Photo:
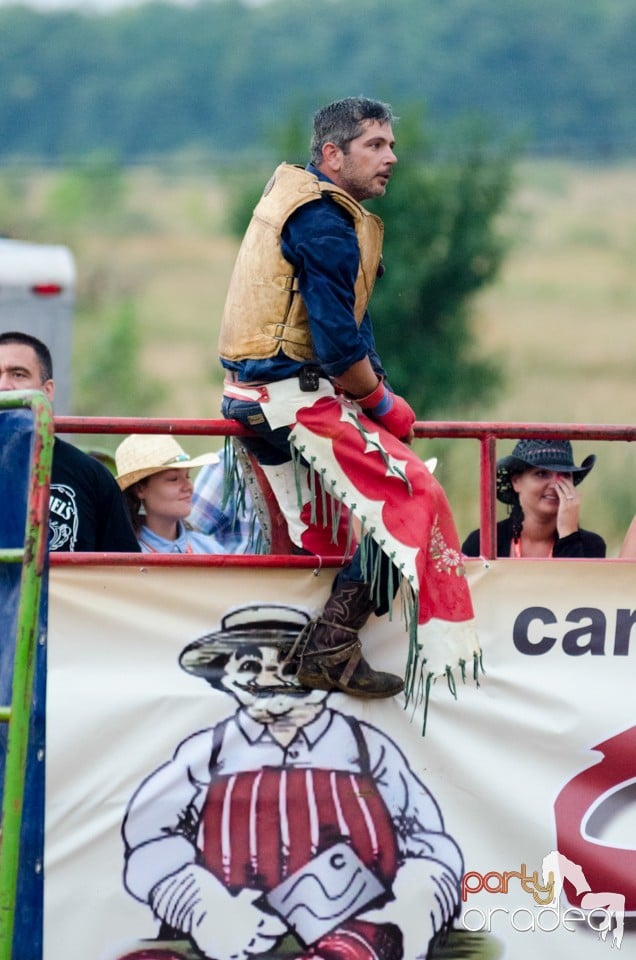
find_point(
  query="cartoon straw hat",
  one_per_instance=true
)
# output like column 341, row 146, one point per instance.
column 270, row 624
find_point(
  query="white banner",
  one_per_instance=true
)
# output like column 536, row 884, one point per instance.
column 199, row 804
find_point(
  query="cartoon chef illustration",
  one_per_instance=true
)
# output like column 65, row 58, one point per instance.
column 290, row 828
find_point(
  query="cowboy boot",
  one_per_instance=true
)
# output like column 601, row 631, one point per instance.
column 332, row 657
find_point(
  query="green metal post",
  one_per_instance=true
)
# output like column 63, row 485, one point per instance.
column 18, row 713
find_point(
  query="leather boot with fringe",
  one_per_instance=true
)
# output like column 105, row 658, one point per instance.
column 332, row 656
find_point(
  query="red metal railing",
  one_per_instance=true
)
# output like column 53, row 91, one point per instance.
column 487, row 433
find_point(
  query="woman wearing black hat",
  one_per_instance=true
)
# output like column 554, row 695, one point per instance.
column 538, row 481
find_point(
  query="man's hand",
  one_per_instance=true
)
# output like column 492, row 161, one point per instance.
column 392, row 411
column 224, row 927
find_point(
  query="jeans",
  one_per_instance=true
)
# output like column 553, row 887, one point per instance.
column 271, row 448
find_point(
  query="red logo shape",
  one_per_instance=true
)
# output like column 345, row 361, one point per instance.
column 605, row 867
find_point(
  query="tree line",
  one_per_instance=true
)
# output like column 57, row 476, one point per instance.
column 219, row 77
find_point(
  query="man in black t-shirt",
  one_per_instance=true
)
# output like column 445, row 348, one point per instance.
column 86, row 509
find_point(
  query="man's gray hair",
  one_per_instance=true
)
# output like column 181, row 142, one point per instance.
column 341, row 122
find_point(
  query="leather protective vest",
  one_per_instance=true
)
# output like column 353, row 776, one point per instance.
column 264, row 312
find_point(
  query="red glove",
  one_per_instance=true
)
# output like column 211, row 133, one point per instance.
column 391, row 411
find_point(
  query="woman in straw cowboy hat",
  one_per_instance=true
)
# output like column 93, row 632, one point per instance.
column 538, row 481
column 154, row 474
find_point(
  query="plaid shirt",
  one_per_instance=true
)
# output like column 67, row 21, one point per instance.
column 226, row 514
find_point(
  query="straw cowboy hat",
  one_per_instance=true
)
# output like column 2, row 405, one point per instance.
column 553, row 455
column 141, row 455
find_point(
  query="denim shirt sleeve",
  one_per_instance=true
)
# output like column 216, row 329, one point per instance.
column 319, row 240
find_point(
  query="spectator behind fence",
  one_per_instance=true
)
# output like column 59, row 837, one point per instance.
column 222, row 506
column 628, row 550
column 86, row 508
column 538, row 482
column 154, row 474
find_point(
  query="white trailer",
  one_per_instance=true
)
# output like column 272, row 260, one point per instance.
column 37, row 296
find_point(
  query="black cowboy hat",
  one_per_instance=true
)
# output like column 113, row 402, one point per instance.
column 553, row 455
column 268, row 624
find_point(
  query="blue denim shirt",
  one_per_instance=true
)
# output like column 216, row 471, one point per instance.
column 188, row 541
column 320, row 241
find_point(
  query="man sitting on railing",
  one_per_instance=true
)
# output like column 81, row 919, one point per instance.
column 302, row 372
